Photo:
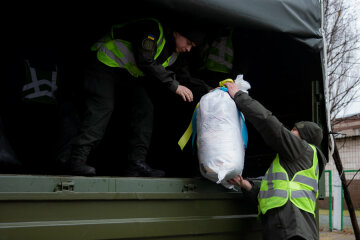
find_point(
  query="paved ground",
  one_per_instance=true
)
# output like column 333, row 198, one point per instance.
column 338, row 235
column 346, row 234
column 324, row 221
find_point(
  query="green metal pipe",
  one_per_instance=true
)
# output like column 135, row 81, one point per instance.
column 330, row 199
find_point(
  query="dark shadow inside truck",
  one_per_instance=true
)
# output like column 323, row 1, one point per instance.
column 284, row 73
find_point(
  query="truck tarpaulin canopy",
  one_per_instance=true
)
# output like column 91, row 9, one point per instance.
column 302, row 19
column 278, row 47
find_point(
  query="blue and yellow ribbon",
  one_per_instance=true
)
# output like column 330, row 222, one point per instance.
column 189, row 131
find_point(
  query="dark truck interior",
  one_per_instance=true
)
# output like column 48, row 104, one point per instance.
column 284, row 75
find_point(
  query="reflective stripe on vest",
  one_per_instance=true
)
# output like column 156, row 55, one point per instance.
column 302, row 190
column 170, row 61
column 118, row 53
column 221, row 55
column 41, row 90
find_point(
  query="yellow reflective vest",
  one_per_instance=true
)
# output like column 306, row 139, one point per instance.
column 119, row 53
column 301, row 190
column 221, row 54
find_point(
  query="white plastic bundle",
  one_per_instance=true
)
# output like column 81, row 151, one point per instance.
column 221, row 148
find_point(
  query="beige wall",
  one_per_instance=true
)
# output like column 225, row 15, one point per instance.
column 348, row 143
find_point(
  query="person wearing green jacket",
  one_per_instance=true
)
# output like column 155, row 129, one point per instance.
column 144, row 57
column 288, row 192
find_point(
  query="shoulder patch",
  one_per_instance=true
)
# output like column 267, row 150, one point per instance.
column 148, row 44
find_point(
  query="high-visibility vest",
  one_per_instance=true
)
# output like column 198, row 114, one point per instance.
column 221, row 55
column 302, row 190
column 40, row 85
column 119, row 53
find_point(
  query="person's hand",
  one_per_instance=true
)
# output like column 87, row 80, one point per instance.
column 185, row 93
column 241, row 182
column 232, row 87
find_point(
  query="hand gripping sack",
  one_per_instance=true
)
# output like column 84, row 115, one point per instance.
column 221, row 137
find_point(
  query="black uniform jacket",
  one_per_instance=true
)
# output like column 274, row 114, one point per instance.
column 143, row 35
column 295, row 155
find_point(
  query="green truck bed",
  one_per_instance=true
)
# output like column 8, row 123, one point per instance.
column 67, row 207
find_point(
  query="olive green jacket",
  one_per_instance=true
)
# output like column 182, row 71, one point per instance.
column 295, row 155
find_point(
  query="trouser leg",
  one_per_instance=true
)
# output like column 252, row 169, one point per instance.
column 99, row 104
column 141, row 126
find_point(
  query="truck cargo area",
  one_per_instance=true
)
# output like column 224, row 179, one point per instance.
column 39, row 199
column 285, row 76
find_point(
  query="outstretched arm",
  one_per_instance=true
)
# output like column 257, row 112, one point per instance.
column 278, row 137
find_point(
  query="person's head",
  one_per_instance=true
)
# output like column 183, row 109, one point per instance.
column 188, row 37
column 182, row 43
column 308, row 131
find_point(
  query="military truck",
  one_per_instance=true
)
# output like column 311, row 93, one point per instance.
column 280, row 50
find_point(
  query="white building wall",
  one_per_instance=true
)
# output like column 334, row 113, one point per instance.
column 348, row 143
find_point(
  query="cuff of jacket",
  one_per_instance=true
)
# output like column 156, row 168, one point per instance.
column 253, row 193
column 173, row 86
column 238, row 94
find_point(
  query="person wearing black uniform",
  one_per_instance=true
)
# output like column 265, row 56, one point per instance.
column 289, row 189
column 147, row 56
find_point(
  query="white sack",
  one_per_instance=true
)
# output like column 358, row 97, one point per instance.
column 220, row 145
column 242, row 84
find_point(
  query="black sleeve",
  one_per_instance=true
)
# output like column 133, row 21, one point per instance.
column 198, row 86
column 278, row 137
column 253, row 193
column 145, row 50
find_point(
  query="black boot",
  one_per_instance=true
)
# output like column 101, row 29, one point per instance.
column 140, row 168
column 78, row 166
